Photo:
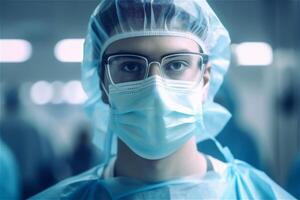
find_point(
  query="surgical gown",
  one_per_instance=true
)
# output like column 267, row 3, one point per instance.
column 234, row 180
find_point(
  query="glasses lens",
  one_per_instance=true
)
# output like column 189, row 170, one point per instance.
column 187, row 67
column 125, row 68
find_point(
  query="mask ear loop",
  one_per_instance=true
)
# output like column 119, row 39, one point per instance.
column 104, row 89
column 102, row 83
column 108, row 144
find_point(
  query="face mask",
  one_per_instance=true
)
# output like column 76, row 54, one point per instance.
column 155, row 117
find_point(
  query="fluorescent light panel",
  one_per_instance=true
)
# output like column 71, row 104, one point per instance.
column 69, row 50
column 14, row 50
column 253, row 53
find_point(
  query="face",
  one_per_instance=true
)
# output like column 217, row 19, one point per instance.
column 155, row 49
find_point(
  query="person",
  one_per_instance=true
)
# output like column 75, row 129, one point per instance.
column 84, row 155
column 9, row 174
column 151, row 69
column 32, row 151
column 293, row 180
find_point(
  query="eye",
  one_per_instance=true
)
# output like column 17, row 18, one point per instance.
column 176, row 66
column 131, row 67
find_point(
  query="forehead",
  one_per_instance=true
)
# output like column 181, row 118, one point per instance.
column 153, row 46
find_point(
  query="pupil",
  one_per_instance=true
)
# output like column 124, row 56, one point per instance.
column 177, row 65
column 132, row 67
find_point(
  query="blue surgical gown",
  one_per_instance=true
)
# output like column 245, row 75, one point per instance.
column 234, row 180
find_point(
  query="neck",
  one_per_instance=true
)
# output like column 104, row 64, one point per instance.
column 184, row 162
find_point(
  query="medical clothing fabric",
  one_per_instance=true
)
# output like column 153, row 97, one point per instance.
column 235, row 180
column 9, row 174
column 119, row 19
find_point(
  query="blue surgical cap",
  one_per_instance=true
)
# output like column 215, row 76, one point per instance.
column 114, row 20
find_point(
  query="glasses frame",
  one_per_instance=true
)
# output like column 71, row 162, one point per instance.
column 205, row 59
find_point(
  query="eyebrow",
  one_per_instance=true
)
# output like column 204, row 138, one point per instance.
column 147, row 56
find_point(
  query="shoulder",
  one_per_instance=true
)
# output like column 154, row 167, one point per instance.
column 8, row 172
column 218, row 165
column 65, row 188
column 246, row 182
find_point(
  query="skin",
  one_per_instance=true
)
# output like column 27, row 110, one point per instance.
column 186, row 160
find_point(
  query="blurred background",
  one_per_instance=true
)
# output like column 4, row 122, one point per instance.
column 45, row 135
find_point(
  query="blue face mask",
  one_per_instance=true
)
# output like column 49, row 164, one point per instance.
column 155, row 117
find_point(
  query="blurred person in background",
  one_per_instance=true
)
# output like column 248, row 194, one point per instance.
column 293, row 183
column 159, row 65
column 31, row 149
column 9, row 174
column 233, row 135
column 84, row 155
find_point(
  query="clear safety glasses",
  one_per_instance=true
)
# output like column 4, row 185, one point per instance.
column 180, row 66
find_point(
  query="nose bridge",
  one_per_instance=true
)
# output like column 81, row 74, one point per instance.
column 154, row 68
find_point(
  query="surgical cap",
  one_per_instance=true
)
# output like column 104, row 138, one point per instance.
column 114, row 20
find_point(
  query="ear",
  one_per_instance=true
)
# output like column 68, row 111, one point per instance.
column 206, row 82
